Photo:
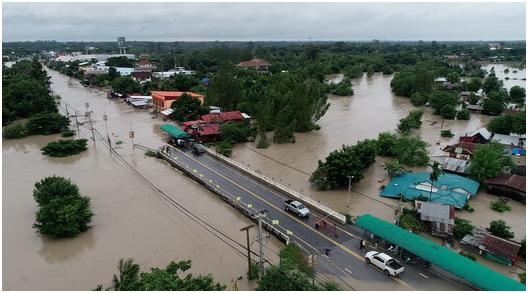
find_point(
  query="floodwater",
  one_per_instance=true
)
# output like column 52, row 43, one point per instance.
column 515, row 78
column 131, row 220
column 372, row 109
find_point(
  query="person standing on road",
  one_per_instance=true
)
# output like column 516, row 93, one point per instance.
column 362, row 244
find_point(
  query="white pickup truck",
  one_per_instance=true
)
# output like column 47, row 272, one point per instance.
column 296, row 207
column 386, row 263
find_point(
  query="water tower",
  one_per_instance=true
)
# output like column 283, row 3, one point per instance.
column 121, row 43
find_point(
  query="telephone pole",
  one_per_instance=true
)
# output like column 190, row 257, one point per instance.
column 105, row 117
column 248, row 247
column 89, row 113
column 260, row 238
column 77, row 122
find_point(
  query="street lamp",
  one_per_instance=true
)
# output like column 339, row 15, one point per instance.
column 349, row 186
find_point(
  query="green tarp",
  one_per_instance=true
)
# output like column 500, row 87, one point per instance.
column 471, row 271
column 174, row 131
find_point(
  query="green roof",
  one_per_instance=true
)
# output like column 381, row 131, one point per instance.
column 174, row 131
column 471, row 271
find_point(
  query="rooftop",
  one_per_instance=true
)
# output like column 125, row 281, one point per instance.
column 506, row 139
column 512, row 181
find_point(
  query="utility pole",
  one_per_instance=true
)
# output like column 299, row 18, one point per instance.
column 248, row 247
column 131, row 135
column 105, row 118
column 89, row 113
column 67, row 113
column 260, row 238
column 77, row 122
column 349, row 186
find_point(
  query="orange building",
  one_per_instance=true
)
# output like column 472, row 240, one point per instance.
column 164, row 99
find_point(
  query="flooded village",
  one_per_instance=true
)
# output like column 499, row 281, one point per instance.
column 270, row 166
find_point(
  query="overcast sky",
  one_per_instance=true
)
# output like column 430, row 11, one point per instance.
column 263, row 21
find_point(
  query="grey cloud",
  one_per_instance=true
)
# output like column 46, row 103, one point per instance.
column 263, row 21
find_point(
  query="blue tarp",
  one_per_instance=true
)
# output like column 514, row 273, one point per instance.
column 450, row 189
column 518, row 152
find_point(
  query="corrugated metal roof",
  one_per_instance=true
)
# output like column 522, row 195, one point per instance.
column 506, row 139
column 436, row 212
column 471, row 271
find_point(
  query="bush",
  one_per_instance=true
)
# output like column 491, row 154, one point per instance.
column 462, row 228
column 235, row 131
column 419, row 99
column 47, row 123
column 412, row 121
column 500, row 229
column 63, row 212
column 64, row 148
column 410, row 220
column 446, row 133
column 224, row 148
column 468, row 208
column 348, row 218
column 150, row 153
column 15, row 131
column 343, row 88
column 468, row 255
column 68, row 133
column 488, row 161
column 385, row 144
column 463, row 114
column 500, row 206
column 411, row 151
column 522, row 277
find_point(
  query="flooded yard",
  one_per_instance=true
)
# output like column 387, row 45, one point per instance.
column 131, row 220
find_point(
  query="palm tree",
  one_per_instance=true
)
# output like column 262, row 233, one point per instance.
column 394, row 168
column 128, row 274
column 435, row 174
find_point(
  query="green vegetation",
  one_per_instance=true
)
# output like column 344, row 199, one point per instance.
column 499, row 206
column 517, row 94
column 468, row 255
column 292, row 274
column 474, row 84
column 394, row 168
column 353, row 72
column 151, row 153
column 500, row 229
column 63, row 211
column 468, row 208
column 343, row 88
column 125, row 85
column 235, row 131
column 224, row 148
column 121, row 61
column 436, row 172
column 507, row 124
column 443, row 103
column 410, row 220
column 488, row 161
column 463, row 114
column 419, row 99
column 522, row 277
column 349, row 219
column 339, row 165
column 187, row 108
column 412, row 121
column 462, row 228
column 47, row 123
column 446, row 133
column 67, row 133
column 130, row 278
column 64, row 148
column 15, row 131
column 410, row 151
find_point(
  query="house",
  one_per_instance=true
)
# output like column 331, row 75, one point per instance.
column 449, row 189
column 494, row 46
column 138, row 101
column 440, row 217
column 141, row 76
column 257, row 64
column 164, row 99
column 165, row 114
column 508, row 185
column 491, row 247
column 440, row 80
column 461, row 150
column 453, row 165
column 451, row 57
column 475, row 108
column 205, row 132
column 188, row 124
column 223, row 117
column 145, row 65
column 481, row 135
column 510, row 141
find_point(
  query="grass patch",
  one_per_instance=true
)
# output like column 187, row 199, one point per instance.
column 151, row 153
column 446, row 133
column 500, row 206
column 119, row 142
column 468, row 208
column 64, row 148
column 467, row 255
column 224, row 148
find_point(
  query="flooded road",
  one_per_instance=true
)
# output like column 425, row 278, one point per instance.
column 131, row 220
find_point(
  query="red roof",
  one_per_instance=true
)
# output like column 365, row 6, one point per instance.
column 501, row 247
column 144, row 62
column 212, row 117
column 141, row 74
column 192, row 122
column 223, row 116
column 470, row 146
column 206, row 130
column 512, row 181
column 254, row 63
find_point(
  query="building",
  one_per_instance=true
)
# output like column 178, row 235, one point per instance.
column 475, row 108
column 76, row 56
column 508, row 185
column 453, row 165
column 223, row 117
column 440, row 217
column 163, row 99
column 141, row 76
column 449, row 189
column 205, row 132
column 257, row 64
column 460, row 150
column 145, row 65
column 491, row 247
column 176, row 71
column 481, row 135
column 509, row 141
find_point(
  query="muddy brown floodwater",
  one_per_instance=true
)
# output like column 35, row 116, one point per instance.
column 131, row 220
column 372, row 109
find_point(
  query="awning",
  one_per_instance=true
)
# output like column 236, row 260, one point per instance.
column 167, row 112
column 471, row 271
column 139, row 103
column 174, row 131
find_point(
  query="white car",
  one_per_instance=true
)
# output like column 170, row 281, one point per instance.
column 297, row 208
column 386, row 263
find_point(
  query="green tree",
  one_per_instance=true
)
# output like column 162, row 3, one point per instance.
column 474, row 85
column 353, row 72
column 235, row 131
column 128, row 275
column 462, row 228
column 64, row 148
column 24, row 97
column 500, row 229
column 411, row 151
column 385, row 144
column 439, row 99
column 394, row 168
column 121, row 61
column 285, row 126
column 47, row 123
column 125, row 85
column 463, row 114
column 493, row 106
column 492, row 83
column 53, row 187
column 488, row 161
column 436, row 172
column 112, row 73
column 517, row 94
column 419, row 99
column 225, row 90
column 453, row 77
column 448, row 112
column 187, row 108
column 412, row 121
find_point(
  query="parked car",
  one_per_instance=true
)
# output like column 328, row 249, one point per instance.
column 297, row 208
column 197, row 149
column 386, row 263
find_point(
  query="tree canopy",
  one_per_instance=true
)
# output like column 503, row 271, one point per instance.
column 488, row 161
column 187, row 108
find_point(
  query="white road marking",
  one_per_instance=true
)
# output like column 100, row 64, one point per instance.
column 424, row 276
column 325, row 256
column 346, row 269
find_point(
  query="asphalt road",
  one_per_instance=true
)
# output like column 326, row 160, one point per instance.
column 345, row 261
